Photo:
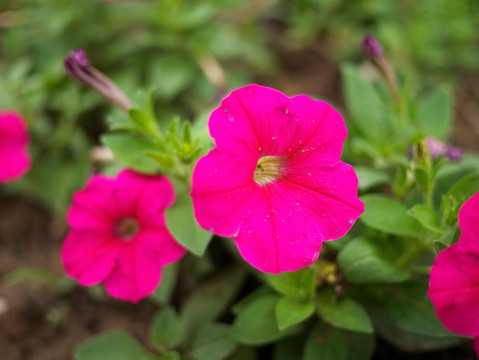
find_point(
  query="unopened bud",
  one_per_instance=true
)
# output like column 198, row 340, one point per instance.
column 372, row 48
column 79, row 68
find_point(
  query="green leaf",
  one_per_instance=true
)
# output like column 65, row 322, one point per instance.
column 115, row 345
column 182, row 224
column 165, row 330
column 298, row 284
column 143, row 121
column 169, row 274
column 363, row 102
column 211, row 299
column 172, row 74
column 363, row 261
column 434, row 113
column 289, row 312
column 130, row 149
column 256, row 324
column 345, row 313
column 427, row 218
column 289, row 348
column 325, row 343
column 411, row 310
column 464, row 188
column 213, row 342
column 369, row 178
column 388, row 215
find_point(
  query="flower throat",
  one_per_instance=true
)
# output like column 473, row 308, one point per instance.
column 268, row 169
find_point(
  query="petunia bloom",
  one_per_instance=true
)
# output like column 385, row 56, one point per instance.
column 275, row 182
column 15, row 160
column 454, row 280
column 118, row 234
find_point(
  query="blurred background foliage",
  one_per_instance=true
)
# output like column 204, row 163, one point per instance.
column 192, row 52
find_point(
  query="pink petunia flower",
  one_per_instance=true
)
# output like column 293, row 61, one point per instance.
column 274, row 182
column 454, row 280
column 14, row 157
column 118, row 234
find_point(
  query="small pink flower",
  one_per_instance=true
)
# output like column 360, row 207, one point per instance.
column 274, row 182
column 14, row 157
column 454, row 280
column 118, row 234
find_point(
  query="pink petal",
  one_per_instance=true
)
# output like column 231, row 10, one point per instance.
column 222, row 184
column 138, row 270
column 330, row 191
column 278, row 233
column 242, row 120
column 146, row 194
column 14, row 163
column 95, row 206
column 468, row 222
column 14, row 158
column 89, row 256
column 454, row 290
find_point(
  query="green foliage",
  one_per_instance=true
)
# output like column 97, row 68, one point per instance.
column 165, row 330
column 366, row 260
column 385, row 214
column 181, row 222
column 115, row 345
column 256, row 324
column 344, row 313
column 434, row 113
column 290, row 312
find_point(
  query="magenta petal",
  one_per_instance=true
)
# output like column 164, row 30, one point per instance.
column 138, row 269
column 331, row 192
column 89, row 257
column 278, row 233
column 149, row 195
column 242, row 120
column 14, row 157
column 468, row 222
column 222, row 184
column 454, row 290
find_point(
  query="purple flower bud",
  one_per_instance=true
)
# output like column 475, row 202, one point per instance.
column 372, row 48
column 437, row 148
column 79, row 68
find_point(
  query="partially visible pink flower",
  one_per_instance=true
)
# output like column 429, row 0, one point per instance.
column 118, row 234
column 14, row 157
column 454, row 280
column 275, row 181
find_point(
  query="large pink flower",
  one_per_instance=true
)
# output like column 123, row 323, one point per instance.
column 454, row 280
column 274, row 182
column 118, row 234
column 14, row 158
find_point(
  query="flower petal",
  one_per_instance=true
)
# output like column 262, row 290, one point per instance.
column 89, row 256
column 138, row 269
column 222, row 184
column 454, row 290
column 331, row 192
column 278, row 233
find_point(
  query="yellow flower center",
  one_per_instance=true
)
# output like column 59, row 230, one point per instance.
column 268, row 169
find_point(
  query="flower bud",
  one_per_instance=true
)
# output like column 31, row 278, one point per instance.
column 79, row 68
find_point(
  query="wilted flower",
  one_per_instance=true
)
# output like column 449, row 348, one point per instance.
column 274, row 182
column 79, row 68
column 14, row 157
column 454, row 281
column 118, row 234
